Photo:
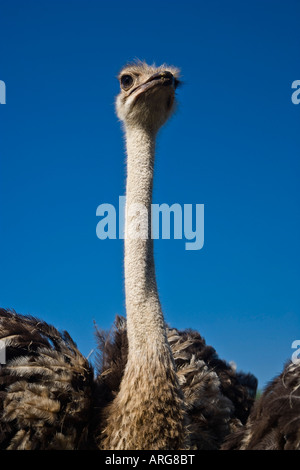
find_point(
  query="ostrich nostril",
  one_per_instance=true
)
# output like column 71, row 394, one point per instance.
column 166, row 77
column 167, row 74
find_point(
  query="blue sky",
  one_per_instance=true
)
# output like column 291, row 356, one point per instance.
column 233, row 146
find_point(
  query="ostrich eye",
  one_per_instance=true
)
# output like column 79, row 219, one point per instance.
column 126, row 81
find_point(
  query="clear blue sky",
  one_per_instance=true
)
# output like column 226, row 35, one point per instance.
column 233, row 146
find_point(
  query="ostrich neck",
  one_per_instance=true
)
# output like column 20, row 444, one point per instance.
column 148, row 412
column 145, row 322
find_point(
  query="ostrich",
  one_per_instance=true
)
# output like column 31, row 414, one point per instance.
column 156, row 387
column 274, row 421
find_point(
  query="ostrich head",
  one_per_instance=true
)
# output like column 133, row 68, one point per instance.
column 147, row 95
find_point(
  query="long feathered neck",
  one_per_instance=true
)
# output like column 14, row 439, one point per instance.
column 147, row 413
column 145, row 320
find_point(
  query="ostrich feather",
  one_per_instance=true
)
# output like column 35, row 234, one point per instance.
column 274, row 421
column 217, row 401
column 46, row 387
column 51, row 397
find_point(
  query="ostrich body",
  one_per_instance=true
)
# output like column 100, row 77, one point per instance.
column 156, row 388
column 274, row 421
column 51, row 397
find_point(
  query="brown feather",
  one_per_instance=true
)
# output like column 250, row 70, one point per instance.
column 218, row 399
column 50, row 397
column 274, row 422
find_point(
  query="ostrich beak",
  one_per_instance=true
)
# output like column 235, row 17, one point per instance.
column 164, row 78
